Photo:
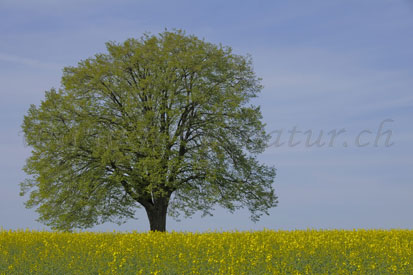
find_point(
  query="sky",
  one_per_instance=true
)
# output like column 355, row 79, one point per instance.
column 325, row 66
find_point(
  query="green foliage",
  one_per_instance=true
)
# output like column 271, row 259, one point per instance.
column 160, row 122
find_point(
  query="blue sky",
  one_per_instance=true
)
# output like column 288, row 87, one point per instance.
column 325, row 65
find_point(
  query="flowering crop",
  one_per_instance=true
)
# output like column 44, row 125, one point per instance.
column 261, row 252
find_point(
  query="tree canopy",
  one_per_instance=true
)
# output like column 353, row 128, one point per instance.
column 162, row 122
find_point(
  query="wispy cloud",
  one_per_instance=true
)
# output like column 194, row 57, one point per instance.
column 4, row 57
column 324, row 85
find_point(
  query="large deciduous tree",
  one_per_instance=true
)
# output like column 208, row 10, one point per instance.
column 162, row 122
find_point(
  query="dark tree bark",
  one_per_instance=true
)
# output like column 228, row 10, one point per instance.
column 157, row 215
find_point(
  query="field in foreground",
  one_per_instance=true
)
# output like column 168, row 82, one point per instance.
column 261, row 252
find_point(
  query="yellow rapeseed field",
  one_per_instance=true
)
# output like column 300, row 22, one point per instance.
column 262, row 252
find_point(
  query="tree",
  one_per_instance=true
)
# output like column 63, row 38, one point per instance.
column 162, row 122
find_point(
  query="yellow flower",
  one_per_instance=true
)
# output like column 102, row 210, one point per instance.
column 261, row 252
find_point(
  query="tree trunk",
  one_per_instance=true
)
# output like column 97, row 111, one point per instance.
column 157, row 217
